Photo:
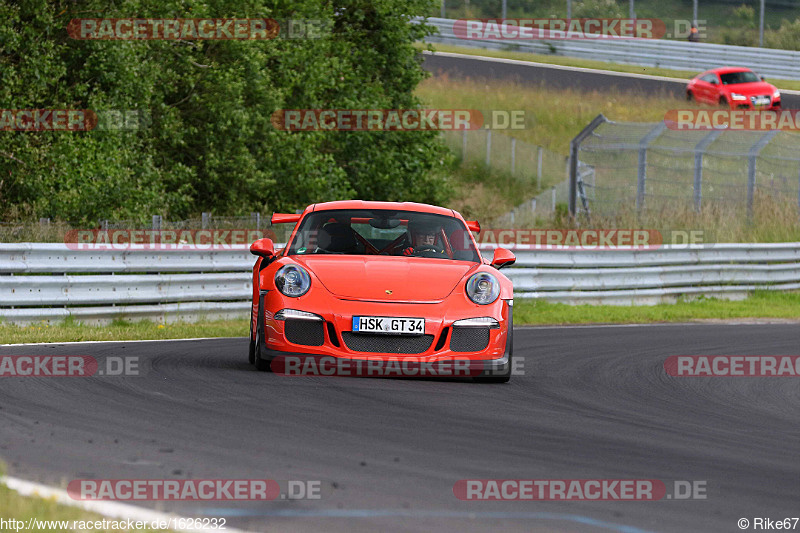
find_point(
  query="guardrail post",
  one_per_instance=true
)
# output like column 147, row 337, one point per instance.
column 752, row 155
column 574, row 147
column 699, row 150
column 488, row 148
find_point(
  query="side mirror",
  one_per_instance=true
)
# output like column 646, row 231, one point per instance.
column 502, row 258
column 763, row 78
column 263, row 247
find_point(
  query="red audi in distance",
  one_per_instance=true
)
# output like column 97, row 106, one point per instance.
column 734, row 87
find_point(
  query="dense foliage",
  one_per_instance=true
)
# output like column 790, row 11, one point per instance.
column 208, row 144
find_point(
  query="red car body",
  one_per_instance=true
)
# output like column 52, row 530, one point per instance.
column 734, row 87
column 372, row 278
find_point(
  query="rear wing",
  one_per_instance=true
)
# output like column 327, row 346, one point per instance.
column 473, row 225
column 284, row 218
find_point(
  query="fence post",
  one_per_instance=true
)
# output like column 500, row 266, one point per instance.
column 513, row 153
column 104, row 224
column 699, row 150
column 206, row 218
column 539, row 153
column 574, row 147
column 488, row 148
column 553, row 191
column 752, row 155
column 464, row 145
column 156, row 222
column 256, row 217
column 641, row 174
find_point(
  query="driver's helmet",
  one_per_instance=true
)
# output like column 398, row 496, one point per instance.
column 423, row 232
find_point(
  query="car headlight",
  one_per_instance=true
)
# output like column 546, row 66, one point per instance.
column 292, row 280
column 483, row 288
column 776, row 94
column 735, row 96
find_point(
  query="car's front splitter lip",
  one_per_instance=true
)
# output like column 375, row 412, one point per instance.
column 299, row 364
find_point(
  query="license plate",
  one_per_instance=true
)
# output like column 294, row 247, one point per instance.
column 387, row 324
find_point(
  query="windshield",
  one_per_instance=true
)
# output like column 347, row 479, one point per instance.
column 384, row 232
column 744, row 76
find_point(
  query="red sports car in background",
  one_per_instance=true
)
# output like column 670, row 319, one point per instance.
column 382, row 282
column 734, row 87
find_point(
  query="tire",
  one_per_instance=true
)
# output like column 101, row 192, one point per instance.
column 262, row 365
column 723, row 102
column 689, row 96
column 251, row 355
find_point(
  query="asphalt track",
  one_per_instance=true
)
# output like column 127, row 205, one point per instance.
column 539, row 74
column 594, row 403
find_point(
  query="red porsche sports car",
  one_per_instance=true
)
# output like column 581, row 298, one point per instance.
column 734, row 87
column 365, row 286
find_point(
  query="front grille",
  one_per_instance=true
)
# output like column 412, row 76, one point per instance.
column 359, row 342
column 305, row 332
column 469, row 339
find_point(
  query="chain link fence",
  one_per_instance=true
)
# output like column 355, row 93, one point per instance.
column 650, row 167
column 520, row 160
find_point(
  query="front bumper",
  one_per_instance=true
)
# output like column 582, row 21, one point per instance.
column 486, row 348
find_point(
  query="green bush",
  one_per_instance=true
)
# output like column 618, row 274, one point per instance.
column 209, row 144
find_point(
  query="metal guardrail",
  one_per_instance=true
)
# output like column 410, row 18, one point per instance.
column 48, row 282
column 680, row 55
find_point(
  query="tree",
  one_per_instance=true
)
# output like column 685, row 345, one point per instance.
column 206, row 141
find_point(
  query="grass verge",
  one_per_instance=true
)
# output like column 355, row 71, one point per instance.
column 71, row 331
column 22, row 508
column 761, row 304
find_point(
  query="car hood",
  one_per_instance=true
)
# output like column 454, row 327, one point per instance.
column 750, row 89
column 387, row 278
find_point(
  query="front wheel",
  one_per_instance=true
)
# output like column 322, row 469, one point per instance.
column 689, row 96
column 262, row 365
